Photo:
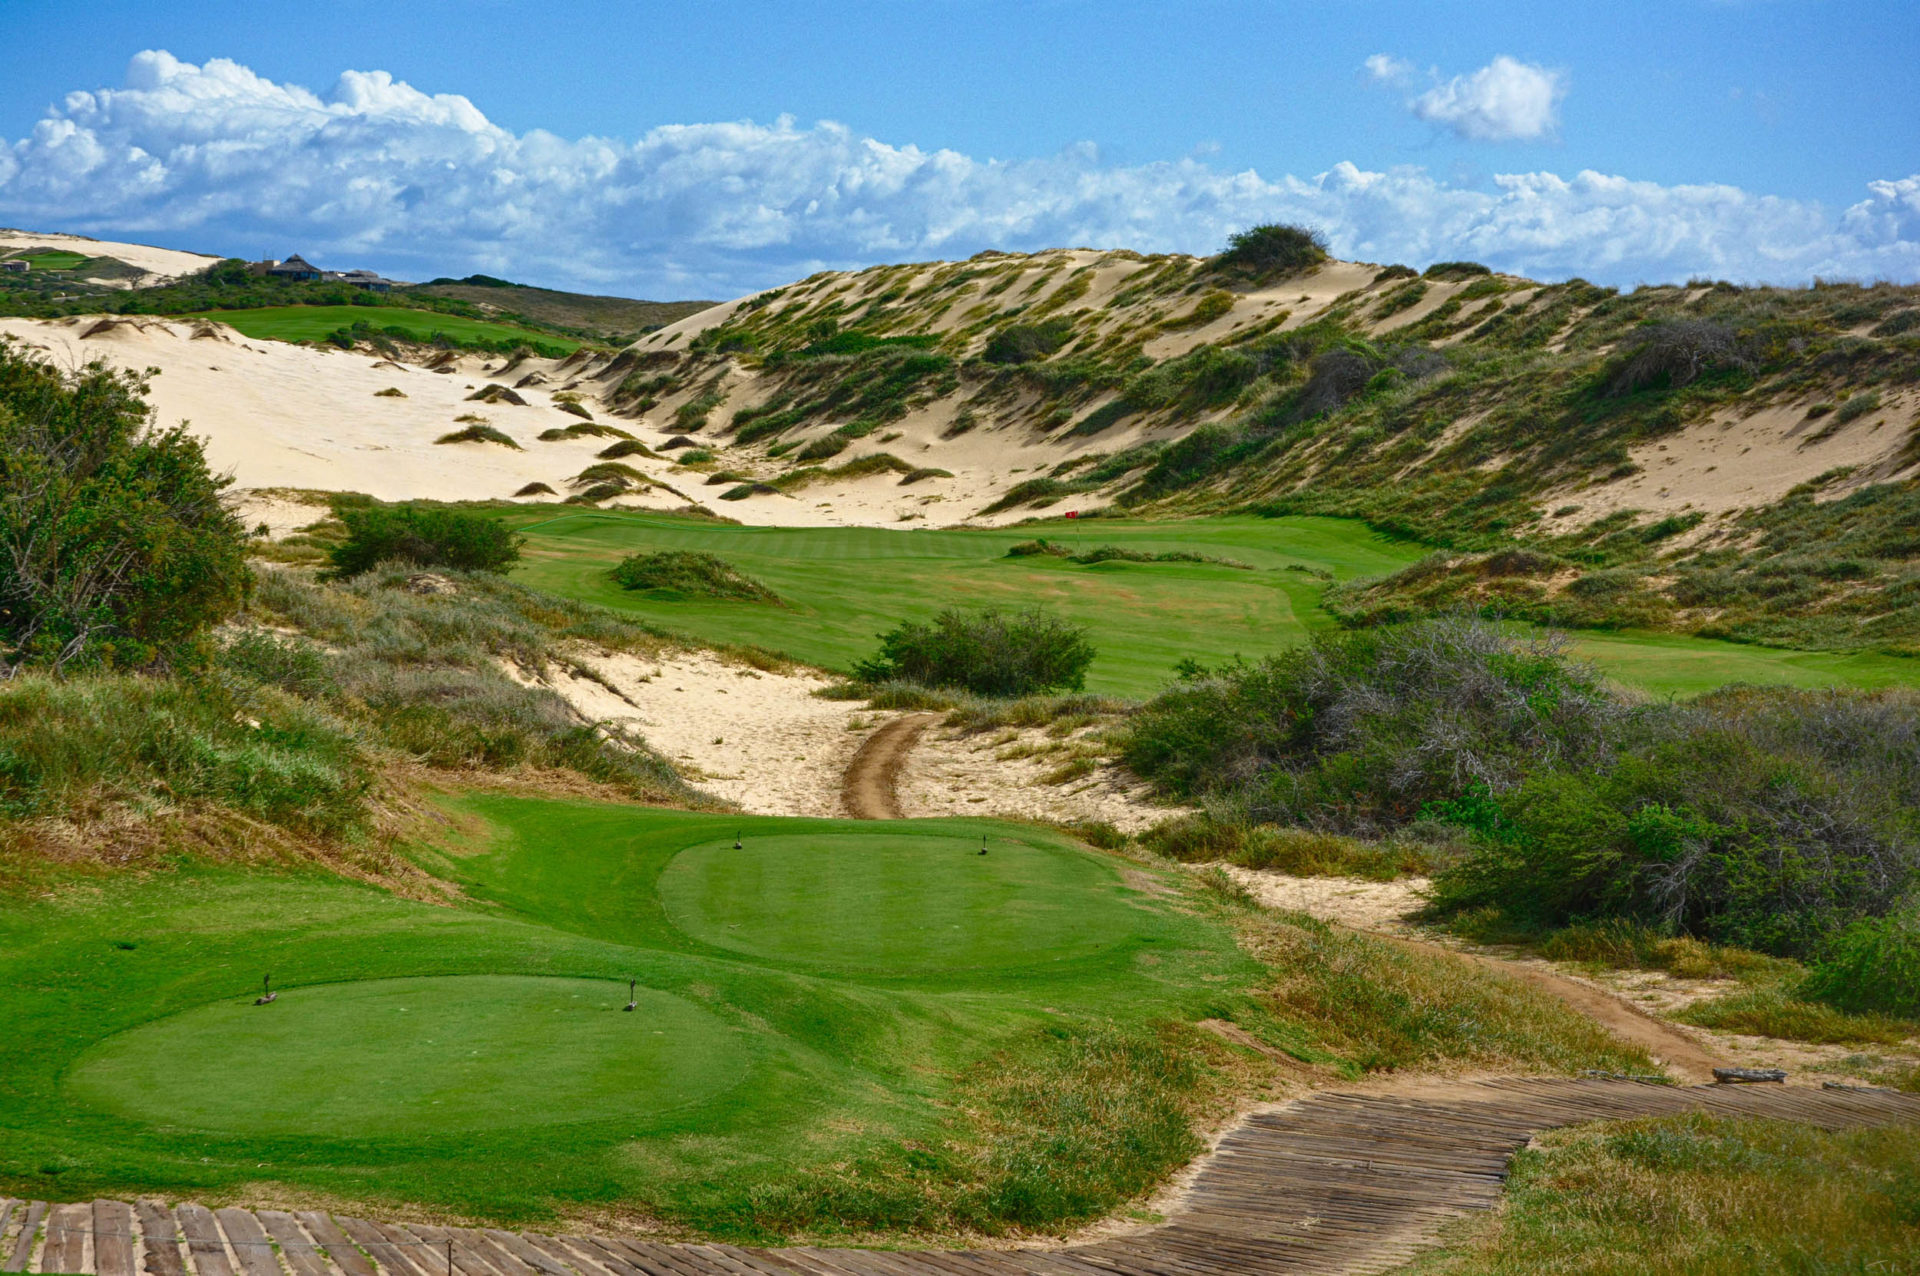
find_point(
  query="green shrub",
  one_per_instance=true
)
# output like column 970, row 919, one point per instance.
column 1361, row 731
column 115, row 547
column 988, row 653
column 1025, row 342
column 1766, row 819
column 1857, row 406
column 480, row 434
column 423, row 536
column 1454, row 271
column 1871, row 967
column 688, row 574
column 1273, row 249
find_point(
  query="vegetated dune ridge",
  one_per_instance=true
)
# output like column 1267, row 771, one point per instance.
column 863, row 398
column 155, row 265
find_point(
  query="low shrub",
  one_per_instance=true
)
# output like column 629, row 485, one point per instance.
column 688, row 574
column 1358, row 732
column 1777, row 1012
column 1025, row 342
column 423, row 536
column 480, row 434
column 1272, row 249
column 1871, row 967
column 988, row 653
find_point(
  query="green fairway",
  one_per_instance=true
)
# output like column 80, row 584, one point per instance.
column 843, row 586
column 313, row 323
column 1671, row 664
column 802, row 1001
column 51, row 258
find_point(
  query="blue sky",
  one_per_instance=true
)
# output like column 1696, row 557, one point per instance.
column 1753, row 139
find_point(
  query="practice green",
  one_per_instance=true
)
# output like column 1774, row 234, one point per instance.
column 895, row 903
column 480, row 1052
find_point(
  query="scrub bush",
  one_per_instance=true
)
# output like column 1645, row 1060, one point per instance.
column 988, row 653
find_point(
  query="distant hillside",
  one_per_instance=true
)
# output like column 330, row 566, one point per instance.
column 1705, row 458
column 601, row 318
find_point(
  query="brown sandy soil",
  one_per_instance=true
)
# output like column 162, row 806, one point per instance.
column 868, row 788
column 760, row 739
column 954, row 772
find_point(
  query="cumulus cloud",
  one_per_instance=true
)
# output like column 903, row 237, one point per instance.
column 1506, row 100
column 375, row 172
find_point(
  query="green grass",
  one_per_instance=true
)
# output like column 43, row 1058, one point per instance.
column 1698, row 1194
column 1672, row 664
column 51, row 258
column 806, row 1003
column 843, row 1027
column 313, row 323
column 845, row 586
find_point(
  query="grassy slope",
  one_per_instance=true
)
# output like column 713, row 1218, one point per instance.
column 399, row 1090
column 603, row 316
column 848, row 1026
column 843, row 586
column 1698, row 1194
column 311, row 323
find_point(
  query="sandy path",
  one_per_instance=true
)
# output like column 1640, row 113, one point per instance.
column 868, row 788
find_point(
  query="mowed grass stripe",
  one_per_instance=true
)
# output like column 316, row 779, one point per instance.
column 843, row 586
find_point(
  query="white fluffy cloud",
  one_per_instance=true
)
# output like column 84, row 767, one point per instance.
column 377, row 173
column 1506, row 100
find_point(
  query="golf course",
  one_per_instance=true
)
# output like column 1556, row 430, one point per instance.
column 801, row 993
column 841, row 586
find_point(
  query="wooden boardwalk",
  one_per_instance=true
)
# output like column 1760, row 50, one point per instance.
column 1331, row 1183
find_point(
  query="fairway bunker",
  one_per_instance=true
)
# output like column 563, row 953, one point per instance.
column 391, row 1058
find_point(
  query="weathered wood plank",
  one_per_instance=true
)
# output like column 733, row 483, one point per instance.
column 204, row 1242
column 22, row 1252
column 393, row 1259
column 296, row 1247
column 112, row 1238
column 338, row 1246
column 160, row 1240
column 66, row 1245
column 248, row 1240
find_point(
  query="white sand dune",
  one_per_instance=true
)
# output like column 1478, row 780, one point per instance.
column 160, row 264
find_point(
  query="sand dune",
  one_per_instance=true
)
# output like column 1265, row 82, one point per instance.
column 160, row 264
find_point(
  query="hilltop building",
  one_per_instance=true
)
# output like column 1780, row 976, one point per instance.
column 299, row 270
column 15, row 264
column 295, row 268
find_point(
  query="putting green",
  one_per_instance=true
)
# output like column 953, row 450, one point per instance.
column 470, row 1053
column 896, row 902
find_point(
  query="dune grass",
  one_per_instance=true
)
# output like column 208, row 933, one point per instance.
column 314, row 323
column 1691, row 1194
column 845, row 586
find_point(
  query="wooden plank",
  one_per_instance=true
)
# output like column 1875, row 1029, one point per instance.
column 23, row 1243
column 337, row 1245
column 532, row 1255
column 66, row 1247
column 204, row 1243
column 160, row 1239
column 297, row 1249
column 112, row 1238
column 393, row 1260
column 249, row 1242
